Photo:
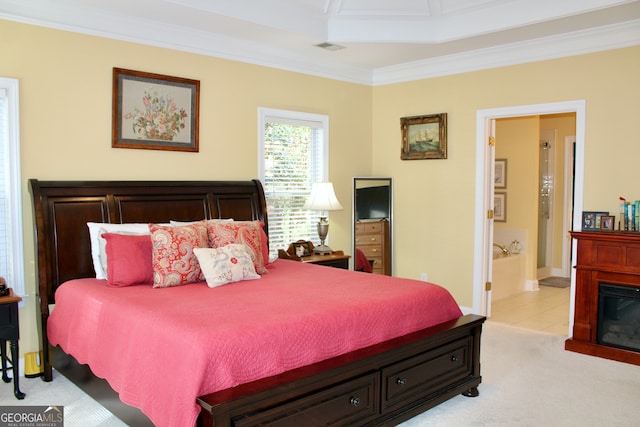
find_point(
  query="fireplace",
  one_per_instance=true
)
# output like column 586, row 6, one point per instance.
column 606, row 318
column 619, row 316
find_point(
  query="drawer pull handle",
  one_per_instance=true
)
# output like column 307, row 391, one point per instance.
column 374, row 250
column 373, row 239
column 454, row 358
column 401, row 381
column 355, row 401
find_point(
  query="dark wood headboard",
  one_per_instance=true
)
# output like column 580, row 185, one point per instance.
column 63, row 208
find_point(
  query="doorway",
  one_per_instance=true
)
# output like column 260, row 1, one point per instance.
column 483, row 239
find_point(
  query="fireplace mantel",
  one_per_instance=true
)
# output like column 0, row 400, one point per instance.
column 610, row 257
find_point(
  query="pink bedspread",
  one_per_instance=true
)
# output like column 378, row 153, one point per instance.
column 161, row 348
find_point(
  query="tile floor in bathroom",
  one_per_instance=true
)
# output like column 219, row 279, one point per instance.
column 546, row 310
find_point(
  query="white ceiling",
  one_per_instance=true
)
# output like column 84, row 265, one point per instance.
column 384, row 41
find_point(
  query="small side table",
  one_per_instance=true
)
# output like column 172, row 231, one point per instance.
column 337, row 259
column 10, row 331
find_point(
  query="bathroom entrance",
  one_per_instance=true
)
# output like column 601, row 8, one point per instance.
column 529, row 157
column 521, row 193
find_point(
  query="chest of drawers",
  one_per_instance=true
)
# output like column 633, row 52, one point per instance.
column 372, row 238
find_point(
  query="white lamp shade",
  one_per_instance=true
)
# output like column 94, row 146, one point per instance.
column 322, row 198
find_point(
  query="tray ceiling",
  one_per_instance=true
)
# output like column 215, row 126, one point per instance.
column 377, row 41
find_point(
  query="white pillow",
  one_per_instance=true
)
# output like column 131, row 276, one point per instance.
column 226, row 264
column 97, row 241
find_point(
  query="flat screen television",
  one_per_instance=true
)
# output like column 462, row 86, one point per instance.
column 372, row 202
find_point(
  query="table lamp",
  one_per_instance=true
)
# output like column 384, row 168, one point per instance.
column 322, row 198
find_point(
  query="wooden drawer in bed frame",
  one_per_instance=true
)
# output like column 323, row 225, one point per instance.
column 379, row 385
column 384, row 384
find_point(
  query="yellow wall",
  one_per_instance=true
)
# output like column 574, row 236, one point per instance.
column 65, row 95
column 434, row 199
column 65, row 101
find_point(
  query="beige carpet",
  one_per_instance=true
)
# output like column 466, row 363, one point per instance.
column 528, row 380
column 80, row 410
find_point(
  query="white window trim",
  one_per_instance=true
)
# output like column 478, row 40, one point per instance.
column 316, row 121
column 11, row 87
column 265, row 113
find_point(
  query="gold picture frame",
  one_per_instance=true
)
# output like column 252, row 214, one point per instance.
column 424, row 137
column 607, row 222
column 154, row 111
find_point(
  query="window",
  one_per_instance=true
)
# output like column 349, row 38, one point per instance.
column 11, row 252
column 294, row 153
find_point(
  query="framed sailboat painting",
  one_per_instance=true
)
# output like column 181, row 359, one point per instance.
column 424, row 137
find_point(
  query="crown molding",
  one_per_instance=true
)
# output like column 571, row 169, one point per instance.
column 151, row 33
column 570, row 44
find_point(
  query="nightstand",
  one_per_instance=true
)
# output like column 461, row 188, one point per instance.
column 10, row 331
column 337, row 259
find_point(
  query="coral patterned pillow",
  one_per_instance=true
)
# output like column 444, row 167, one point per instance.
column 174, row 262
column 227, row 264
column 249, row 233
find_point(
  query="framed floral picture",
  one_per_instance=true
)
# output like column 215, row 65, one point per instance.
column 154, row 111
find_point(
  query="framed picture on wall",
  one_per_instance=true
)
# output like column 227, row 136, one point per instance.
column 424, row 137
column 154, row 111
column 500, row 207
column 500, row 175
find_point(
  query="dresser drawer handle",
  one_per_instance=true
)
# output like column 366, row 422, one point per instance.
column 454, row 358
column 401, row 381
column 355, row 401
column 373, row 239
column 374, row 250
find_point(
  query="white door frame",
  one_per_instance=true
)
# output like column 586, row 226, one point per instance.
column 568, row 203
column 481, row 273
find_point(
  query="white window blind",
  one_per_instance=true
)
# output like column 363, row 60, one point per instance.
column 11, row 248
column 293, row 155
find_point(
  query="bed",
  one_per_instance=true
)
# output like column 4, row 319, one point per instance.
column 392, row 362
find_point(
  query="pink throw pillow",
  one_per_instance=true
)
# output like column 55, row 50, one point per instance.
column 249, row 233
column 173, row 259
column 129, row 259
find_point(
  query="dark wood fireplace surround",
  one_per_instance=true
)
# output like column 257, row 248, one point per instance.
column 602, row 257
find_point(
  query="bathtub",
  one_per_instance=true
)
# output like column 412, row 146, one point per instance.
column 509, row 275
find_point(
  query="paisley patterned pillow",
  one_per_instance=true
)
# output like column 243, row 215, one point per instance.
column 228, row 264
column 249, row 233
column 174, row 262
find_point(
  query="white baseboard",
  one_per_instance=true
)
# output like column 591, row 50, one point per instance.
column 531, row 285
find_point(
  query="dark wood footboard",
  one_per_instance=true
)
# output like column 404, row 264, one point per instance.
column 384, row 384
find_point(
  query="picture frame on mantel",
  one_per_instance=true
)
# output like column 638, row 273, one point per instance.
column 424, row 137
column 154, row 111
